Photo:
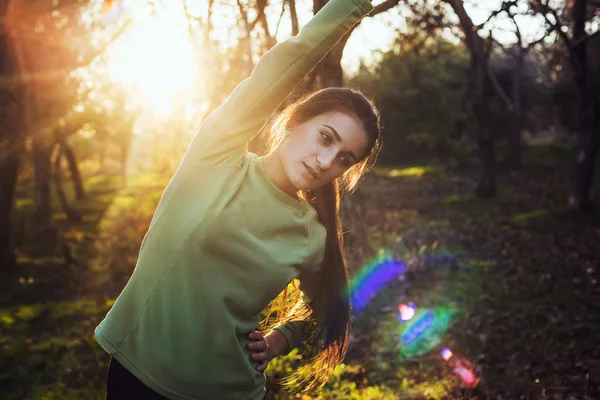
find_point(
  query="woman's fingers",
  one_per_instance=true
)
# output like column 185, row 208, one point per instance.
column 263, row 360
column 255, row 335
column 257, row 342
column 262, row 366
column 260, row 356
column 259, row 345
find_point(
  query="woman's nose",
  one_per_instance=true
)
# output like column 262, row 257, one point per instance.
column 325, row 159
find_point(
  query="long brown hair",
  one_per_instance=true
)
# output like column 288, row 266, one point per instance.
column 330, row 308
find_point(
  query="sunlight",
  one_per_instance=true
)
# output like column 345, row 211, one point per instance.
column 154, row 60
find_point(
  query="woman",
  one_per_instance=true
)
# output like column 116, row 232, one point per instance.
column 233, row 229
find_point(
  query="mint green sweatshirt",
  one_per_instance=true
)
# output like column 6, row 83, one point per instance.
column 224, row 241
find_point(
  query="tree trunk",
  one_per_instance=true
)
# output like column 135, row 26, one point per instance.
column 74, row 170
column 486, row 185
column 11, row 144
column 125, row 145
column 71, row 214
column 589, row 137
column 331, row 72
column 44, row 231
column 294, row 17
column 330, row 69
column 516, row 133
column 10, row 154
column 515, row 161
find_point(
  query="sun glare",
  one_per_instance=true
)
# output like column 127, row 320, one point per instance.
column 154, row 60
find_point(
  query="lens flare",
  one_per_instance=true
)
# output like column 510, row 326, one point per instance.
column 424, row 331
column 446, row 353
column 406, row 311
column 418, row 328
column 373, row 278
column 461, row 367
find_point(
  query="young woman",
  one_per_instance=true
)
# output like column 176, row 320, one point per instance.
column 233, row 229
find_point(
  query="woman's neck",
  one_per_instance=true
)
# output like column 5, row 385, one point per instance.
column 274, row 170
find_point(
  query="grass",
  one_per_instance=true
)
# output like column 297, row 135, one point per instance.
column 414, row 171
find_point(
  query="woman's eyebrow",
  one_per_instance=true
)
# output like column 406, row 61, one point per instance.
column 339, row 139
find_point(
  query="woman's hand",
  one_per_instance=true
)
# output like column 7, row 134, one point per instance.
column 262, row 348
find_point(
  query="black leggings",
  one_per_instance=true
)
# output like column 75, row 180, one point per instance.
column 122, row 384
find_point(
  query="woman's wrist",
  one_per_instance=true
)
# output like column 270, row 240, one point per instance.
column 277, row 343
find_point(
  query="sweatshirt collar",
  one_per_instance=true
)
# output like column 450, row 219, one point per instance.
column 278, row 194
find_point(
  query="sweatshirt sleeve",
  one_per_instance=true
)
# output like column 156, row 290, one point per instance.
column 222, row 138
column 297, row 332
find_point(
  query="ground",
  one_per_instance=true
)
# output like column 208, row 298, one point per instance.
column 520, row 271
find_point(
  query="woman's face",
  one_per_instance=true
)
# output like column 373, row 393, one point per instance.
column 322, row 149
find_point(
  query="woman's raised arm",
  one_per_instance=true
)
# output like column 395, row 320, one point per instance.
column 222, row 138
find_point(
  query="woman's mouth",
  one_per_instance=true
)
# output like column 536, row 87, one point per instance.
column 311, row 172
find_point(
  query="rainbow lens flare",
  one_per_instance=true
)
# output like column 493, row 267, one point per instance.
column 372, row 278
column 424, row 331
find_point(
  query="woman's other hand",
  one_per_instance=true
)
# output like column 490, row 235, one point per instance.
column 262, row 350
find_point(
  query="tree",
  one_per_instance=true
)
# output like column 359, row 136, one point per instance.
column 513, row 98
column 419, row 67
column 570, row 26
column 36, row 57
column 431, row 15
column 486, row 185
column 329, row 71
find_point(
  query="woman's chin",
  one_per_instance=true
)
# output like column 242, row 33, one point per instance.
column 302, row 181
column 300, row 184
column 307, row 185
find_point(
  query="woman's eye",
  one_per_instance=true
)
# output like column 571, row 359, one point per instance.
column 326, row 138
column 345, row 162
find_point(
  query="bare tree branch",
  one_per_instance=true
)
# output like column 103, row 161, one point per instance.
column 294, row 17
column 557, row 24
column 504, row 7
column 280, row 18
column 386, row 5
column 585, row 39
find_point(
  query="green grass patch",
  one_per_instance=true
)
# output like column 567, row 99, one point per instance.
column 391, row 172
column 528, row 217
column 462, row 199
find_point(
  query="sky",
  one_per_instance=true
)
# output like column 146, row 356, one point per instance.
column 379, row 32
column 155, row 55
